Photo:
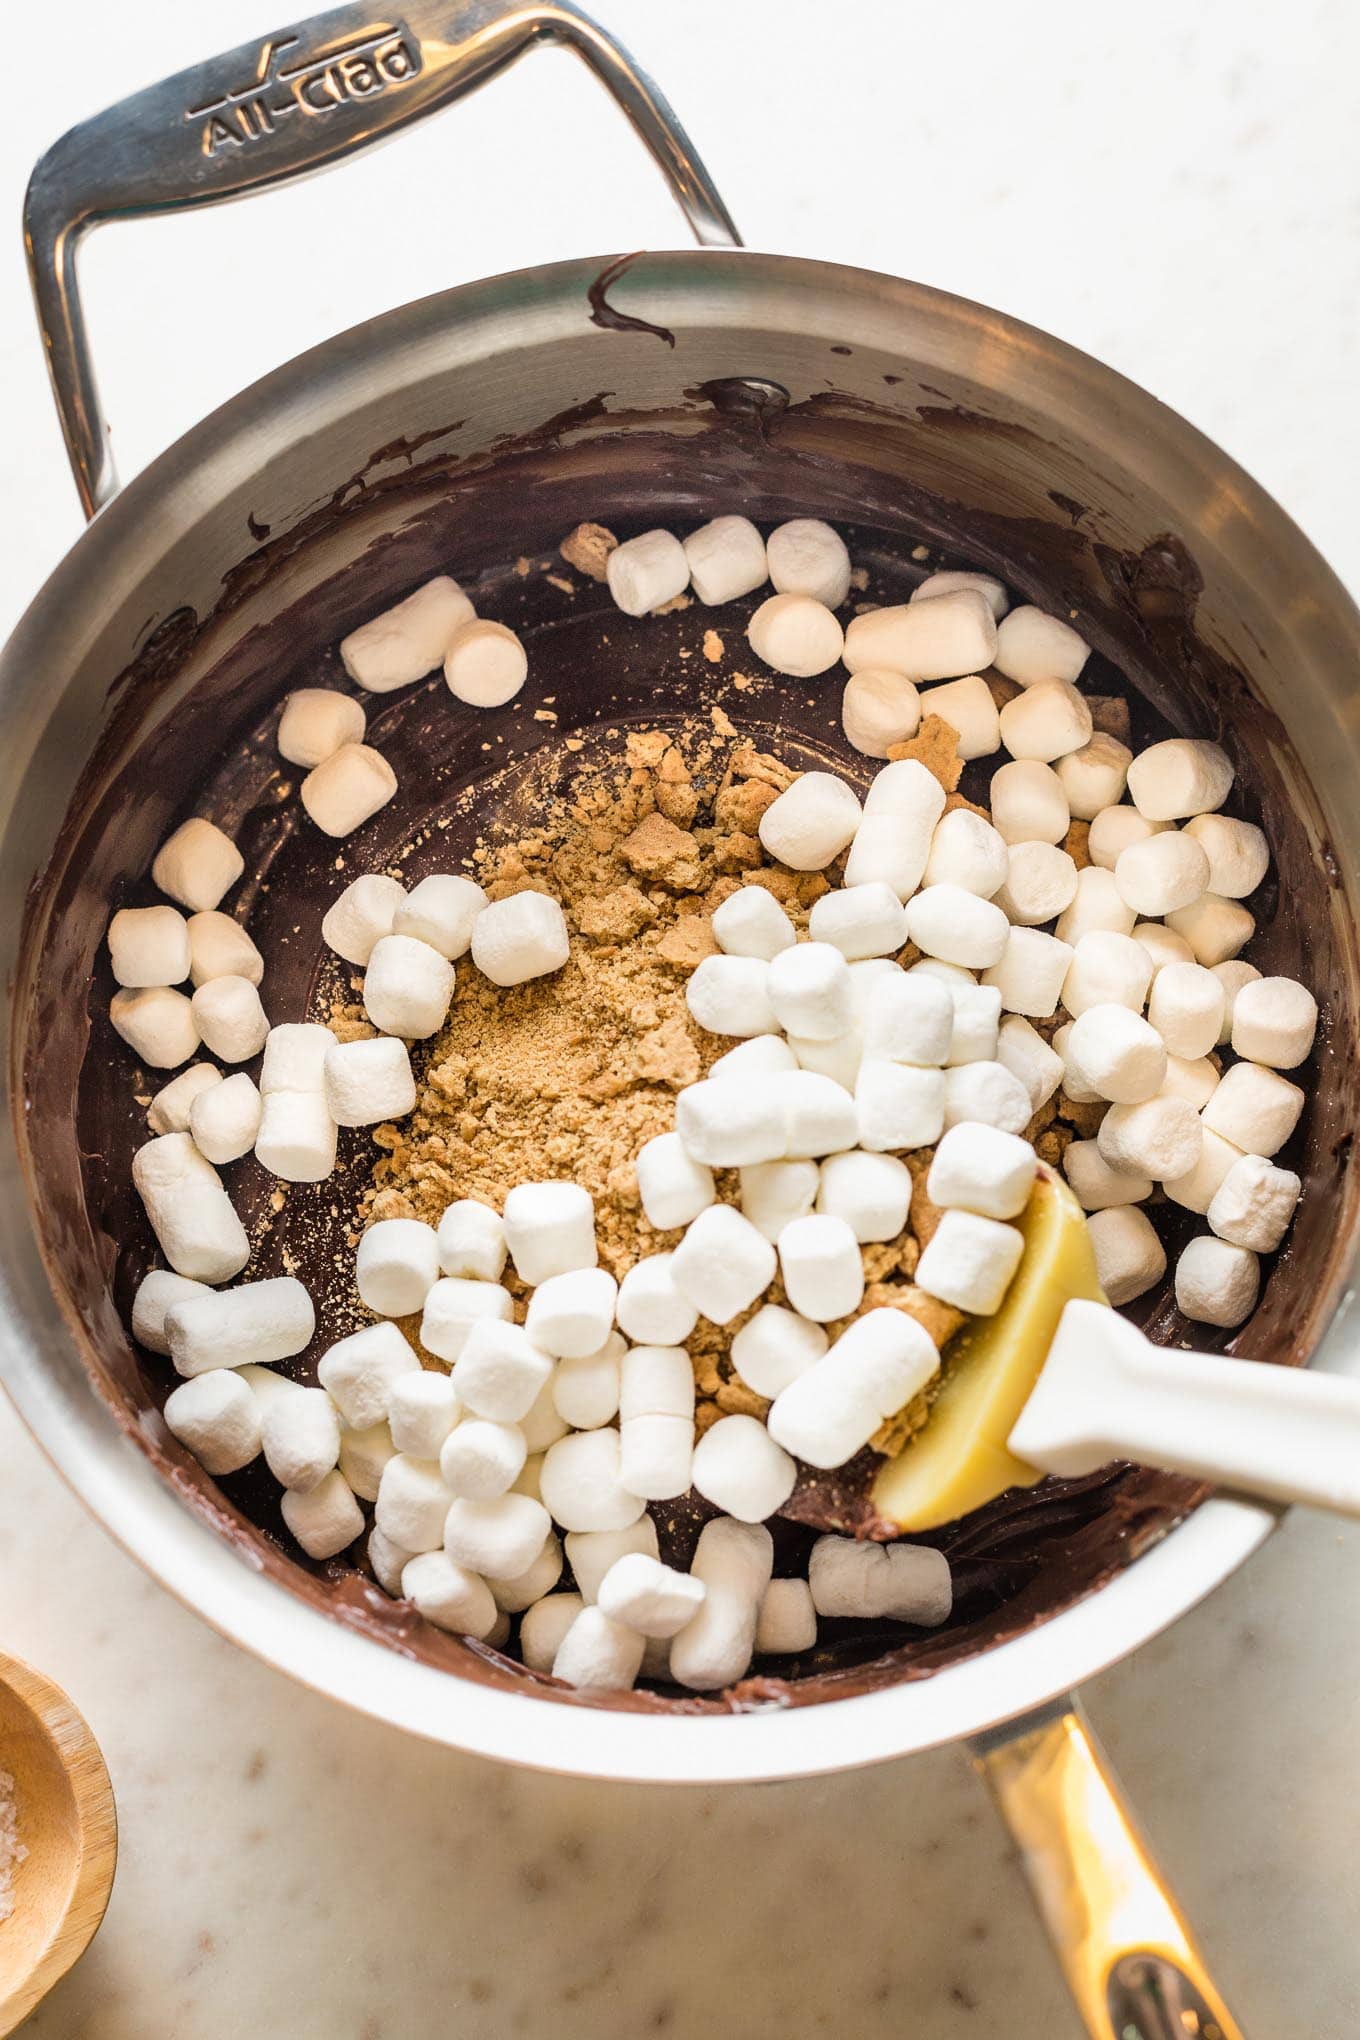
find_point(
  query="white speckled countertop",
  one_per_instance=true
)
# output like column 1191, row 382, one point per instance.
column 1169, row 191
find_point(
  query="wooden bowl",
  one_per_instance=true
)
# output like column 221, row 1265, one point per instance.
column 66, row 1821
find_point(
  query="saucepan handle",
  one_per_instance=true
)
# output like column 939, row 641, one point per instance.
column 279, row 108
column 1125, row 1949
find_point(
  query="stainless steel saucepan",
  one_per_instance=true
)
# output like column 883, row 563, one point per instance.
column 677, row 382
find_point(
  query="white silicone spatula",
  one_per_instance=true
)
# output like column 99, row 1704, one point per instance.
column 1106, row 1392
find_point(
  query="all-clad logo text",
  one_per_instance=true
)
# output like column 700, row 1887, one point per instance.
column 378, row 59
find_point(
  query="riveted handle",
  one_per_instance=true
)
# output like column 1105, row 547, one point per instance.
column 292, row 103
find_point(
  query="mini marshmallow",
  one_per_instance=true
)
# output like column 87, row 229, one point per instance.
column 739, row 1467
column 1022, row 1050
column 220, row 947
column 651, row 1309
column 1217, row 1283
column 169, row 1110
column 656, row 1447
column 224, row 1119
column 1185, row 1006
column 1096, row 1185
column 967, row 706
column 1041, row 880
column 646, row 571
column 726, row 558
column 1031, row 973
column 1032, row 647
column 808, row 988
column 543, row 1628
column 733, row 1562
column 1254, row 1107
column 898, row 1106
column 448, row 1595
column 1180, row 777
column 388, row 1561
column 1112, row 832
column 938, row 639
column 774, row 1193
column 751, row 922
column 520, row 938
column 316, row 721
column 408, row 987
column 297, row 1137
column 889, row 850
column 870, row 1193
column 1046, row 722
column 585, row 1391
column 774, row 1347
column 300, row 1437
column 811, row 822
column 1107, row 970
column 1197, row 1080
column 471, row 1241
column 951, row 579
column 1029, row 803
column 838, row 1059
column 988, row 1093
column 550, row 1230
column 480, row 1460
column 979, row 1168
column 722, row 1264
column 149, row 946
column 1232, row 975
column 326, row 1520
column 762, row 1055
column 796, row 635
column 1074, row 1084
column 967, row 851
column 591, row 1553
column 409, row 640
column 422, row 1409
column 295, row 1058
column 1196, row 1188
column 906, row 787
column 1274, row 1022
column 673, row 1187
column 649, row 1597
column 396, row 1267
column 501, row 1537
column 362, row 914
column 969, row 1261
column 542, row 1427
column 158, row 1025
column 571, row 1315
column 347, row 789
column 441, row 910
column 1130, row 1259
column 1238, row 853
column 946, row 922
column 730, row 1126
column 806, row 557
column 197, row 865
column 848, row 1576
column 1167, row 872
column 1096, row 907
column 230, row 1018
column 582, row 1485
column 788, row 1620
column 830, row 1410
column 518, row 1592
column 361, row 1372
column 857, row 920
column 977, row 1023
column 155, row 1294
column 1163, row 945
column 369, row 1081
column 879, row 709
column 363, row 1455
column 191, row 1214
column 731, row 995
column 909, row 1018
column 1093, row 778
column 1254, row 1203
column 1116, row 1054
column 598, row 1655
column 822, row 1268
column 216, row 1417
column 1160, row 1137
column 504, row 1371
column 485, row 664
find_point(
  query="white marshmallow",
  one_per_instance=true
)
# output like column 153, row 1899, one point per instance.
column 191, row 1214
column 1028, row 803
column 363, row 1455
column 731, row 995
column 967, row 851
column 674, row 1188
column 1180, row 777
column 300, row 1437
column 796, row 635
column 520, row 1591
column 774, row 1347
column 220, row 947
column 1163, row 945
column 169, row 1110
column 485, row 664
column 297, row 1137
column 155, row 1294
column 1112, row 831
column 570, row 1316
column 823, row 1270
column 500, row 1538
column 480, row 1460
column 520, row 938
column 1197, row 1080
column 1093, row 778
column 362, row 914
column 979, row 1168
column 1275, row 1022
column 751, row 922
column 149, row 946
column 977, row 1023
column 967, row 706
column 1041, row 880
column 408, row 987
column 542, row 1427
column 295, row 1058
column 656, row 1446
column 1107, row 970
column 969, row 1261
column 808, row 988
column 988, row 1093
column 859, row 921
column 498, row 1370
column 448, row 1595
column 646, row 571
column 848, row 1576
column 1074, row 1085
column 347, row 789
column 905, row 787
column 230, row 1019
column 806, row 557
column 422, row 1409
column 946, row 922
column 1232, row 975
column 788, row 1620
column 838, row 1059
column 762, row 1055
column 1185, row 1005
column 388, row 1561
column 1095, row 1184
column 361, row 1373
column 216, row 1417
column 649, row 1597
column 325, row 1520
column 1238, row 853
column 1116, row 1054
column 412, row 1503
column 543, row 1628
column 598, row 1655
column 582, row 1485
column 889, row 850
column 811, row 822
column 224, row 1119
column 898, row 1106
column 1032, row 647
column 726, row 558
column 1167, row 872
column 1254, row 1203
column 1161, row 1137
column 832, row 1409
column 722, row 1263
column 871, row 1193
column 441, row 910
column 316, row 721
column 1217, row 1283
column 585, row 1391
column 158, row 1025
column 369, row 1081
column 935, row 640
column 729, row 1126
column 1046, row 722
column 949, row 581
column 1130, row 1259
column 733, row 1561
column 592, row 1553
column 396, row 1267
column 471, row 1241
column 1097, row 907
column 650, row 1307
column 879, row 709
column 909, row 1018
column 196, row 865
column 1196, row 1188
column 774, row 1193
column 550, row 1230
column 739, row 1467
column 1022, row 1050
column 409, row 640
column 1031, row 973
column 1255, row 1108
